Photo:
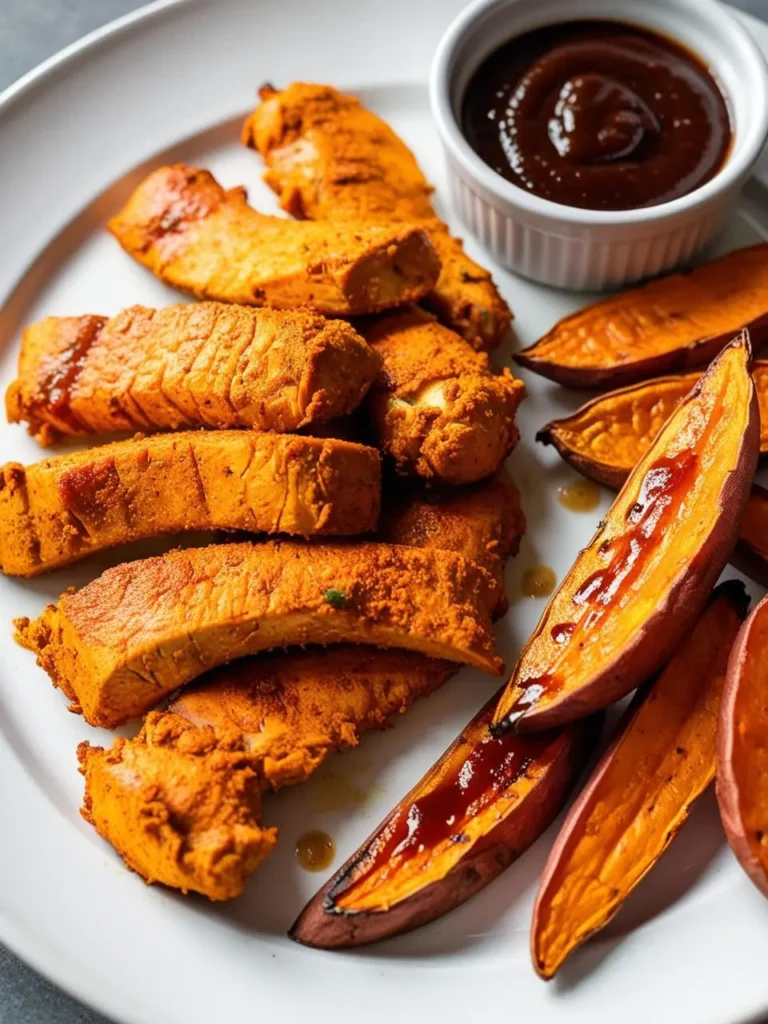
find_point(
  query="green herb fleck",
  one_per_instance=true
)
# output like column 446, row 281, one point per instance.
column 335, row 598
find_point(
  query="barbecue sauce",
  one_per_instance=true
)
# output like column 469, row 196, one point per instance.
column 599, row 115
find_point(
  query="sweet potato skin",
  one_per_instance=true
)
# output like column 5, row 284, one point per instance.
column 515, row 818
column 329, row 158
column 660, row 760
column 607, row 436
column 192, row 234
column 599, row 676
column 742, row 768
column 145, row 628
column 63, row 509
column 436, row 407
column 669, row 325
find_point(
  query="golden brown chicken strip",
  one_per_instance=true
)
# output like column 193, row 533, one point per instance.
column 194, row 235
column 295, row 708
column 180, row 804
column 331, row 159
column 207, row 365
column 436, row 406
column 142, row 629
column 484, row 523
column 63, row 509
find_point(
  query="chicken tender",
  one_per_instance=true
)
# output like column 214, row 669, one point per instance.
column 295, row 708
column 484, row 523
column 436, row 407
column 65, row 508
column 194, row 235
column 331, row 159
column 145, row 628
column 180, row 804
column 205, row 365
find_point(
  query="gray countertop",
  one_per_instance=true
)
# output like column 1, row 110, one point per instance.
column 30, row 31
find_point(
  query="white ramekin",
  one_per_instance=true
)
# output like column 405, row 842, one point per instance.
column 587, row 249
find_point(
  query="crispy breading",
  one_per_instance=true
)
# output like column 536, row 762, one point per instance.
column 329, row 158
column 194, row 235
column 142, row 629
column 63, row 509
column 483, row 522
column 295, row 708
column 436, row 406
column 180, row 804
column 209, row 365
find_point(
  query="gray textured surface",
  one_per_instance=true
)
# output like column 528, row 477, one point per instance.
column 30, row 31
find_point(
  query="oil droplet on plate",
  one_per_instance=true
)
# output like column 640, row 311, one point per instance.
column 336, row 793
column 315, row 850
column 581, row 496
column 538, row 582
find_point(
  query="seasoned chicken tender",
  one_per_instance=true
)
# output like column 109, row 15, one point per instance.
column 63, row 509
column 329, row 158
column 295, row 708
column 483, row 522
column 194, row 235
column 180, row 804
column 436, row 406
column 145, row 628
column 207, row 365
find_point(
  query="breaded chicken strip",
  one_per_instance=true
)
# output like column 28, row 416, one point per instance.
column 205, row 365
column 436, row 406
column 194, row 235
column 63, row 509
column 295, row 708
column 142, row 629
column 331, row 159
column 484, row 523
column 290, row 710
column 181, row 805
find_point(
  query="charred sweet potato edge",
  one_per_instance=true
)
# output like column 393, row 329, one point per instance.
column 380, row 892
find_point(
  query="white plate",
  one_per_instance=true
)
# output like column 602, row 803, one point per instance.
column 173, row 82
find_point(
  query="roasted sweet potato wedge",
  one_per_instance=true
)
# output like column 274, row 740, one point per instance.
column 675, row 323
column 63, row 509
column 475, row 811
column 142, row 629
column 742, row 749
column 750, row 555
column 642, row 581
column 193, row 234
column 607, row 437
column 640, row 794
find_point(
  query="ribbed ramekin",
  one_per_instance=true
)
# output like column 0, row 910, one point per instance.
column 589, row 249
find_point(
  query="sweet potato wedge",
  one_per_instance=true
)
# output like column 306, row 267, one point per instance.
column 142, row 629
column 674, row 323
column 742, row 751
column 750, row 555
column 193, row 234
column 607, row 437
column 642, row 581
column 475, row 811
column 660, row 760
